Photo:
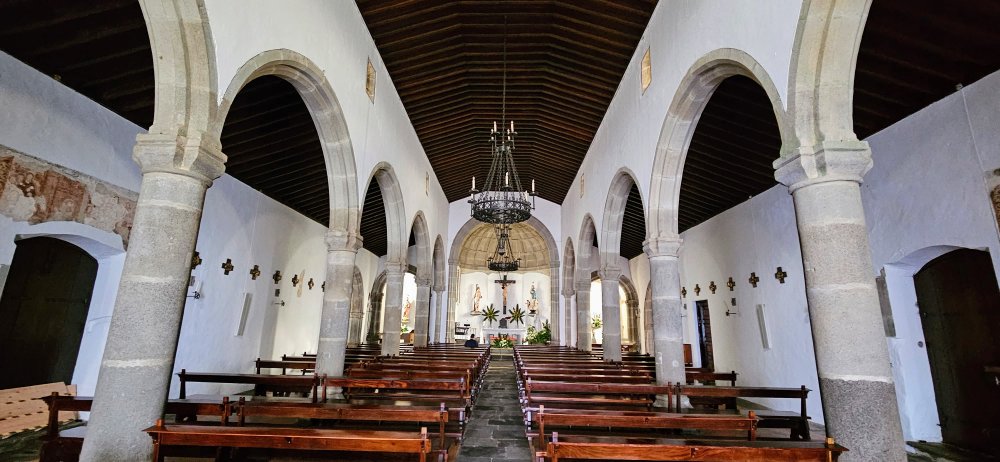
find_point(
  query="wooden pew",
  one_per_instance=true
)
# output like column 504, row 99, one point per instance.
column 401, row 389
column 712, row 377
column 66, row 444
column 797, row 422
column 262, row 382
column 613, row 421
column 598, row 448
column 394, row 416
column 284, row 365
column 592, row 395
column 288, row 439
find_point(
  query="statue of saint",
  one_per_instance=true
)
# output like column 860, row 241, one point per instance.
column 533, row 294
column 475, row 299
column 406, row 309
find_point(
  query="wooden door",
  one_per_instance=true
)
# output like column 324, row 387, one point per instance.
column 43, row 310
column 960, row 311
column 705, row 334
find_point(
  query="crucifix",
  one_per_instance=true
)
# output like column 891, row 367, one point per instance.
column 504, row 282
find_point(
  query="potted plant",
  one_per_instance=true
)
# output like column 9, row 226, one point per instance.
column 539, row 336
column 595, row 328
column 490, row 314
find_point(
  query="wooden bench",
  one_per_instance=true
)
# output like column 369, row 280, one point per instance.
column 652, row 449
column 602, row 395
column 284, row 365
column 64, row 445
column 797, row 422
column 288, row 439
column 262, row 382
column 612, row 421
column 706, row 377
column 401, row 389
column 353, row 414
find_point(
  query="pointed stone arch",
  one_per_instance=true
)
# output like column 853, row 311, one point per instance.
column 693, row 93
column 395, row 213
column 324, row 108
column 373, row 315
column 423, row 261
column 614, row 215
column 584, row 252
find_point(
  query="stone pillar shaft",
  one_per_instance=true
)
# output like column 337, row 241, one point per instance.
column 668, row 327
column 421, row 314
column 342, row 249
column 611, row 314
column 393, row 308
column 139, row 355
column 852, row 358
column 432, row 319
column 584, row 336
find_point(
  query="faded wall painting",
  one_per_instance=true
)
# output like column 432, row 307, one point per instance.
column 37, row 191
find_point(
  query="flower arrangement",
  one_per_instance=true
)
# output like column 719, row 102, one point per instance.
column 595, row 323
column 539, row 336
column 502, row 342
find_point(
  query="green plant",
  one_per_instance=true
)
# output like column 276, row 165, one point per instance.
column 502, row 342
column 595, row 323
column 517, row 315
column 490, row 314
column 539, row 336
column 403, row 329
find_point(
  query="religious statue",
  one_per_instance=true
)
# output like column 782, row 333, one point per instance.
column 533, row 302
column 406, row 309
column 533, row 295
column 475, row 299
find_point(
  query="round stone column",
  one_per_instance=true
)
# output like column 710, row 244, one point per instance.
column 454, row 277
column 139, row 355
column 421, row 313
column 437, row 333
column 432, row 319
column 569, row 317
column 611, row 313
column 393, row 308
column 342, row 249
column 852, row 357
column 584, row 336
column 668, row 327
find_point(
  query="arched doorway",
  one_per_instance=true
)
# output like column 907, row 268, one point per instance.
column 43, row 311
column 960, row 312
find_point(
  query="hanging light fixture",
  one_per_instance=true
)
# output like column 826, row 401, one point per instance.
column 503, row 260
column 501, row 201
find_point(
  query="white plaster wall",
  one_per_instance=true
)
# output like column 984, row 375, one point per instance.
column 929, row 188
column 333, row 35
column 756, row 236
column 679, row 33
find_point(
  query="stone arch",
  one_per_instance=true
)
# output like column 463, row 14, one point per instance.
column 357, row 308
column 423, row 263
column 632, row 298
column 183, row 66
column 584, row 266
column 614, row 214
column 693, row 93
column 395, row 214
column 568, row 319
column 317, row 93
column 436, row 322
column 821, row 74
column 373, row 323
column 454, row 271
column 438, row 263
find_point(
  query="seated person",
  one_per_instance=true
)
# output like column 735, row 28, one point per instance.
column 471, row 342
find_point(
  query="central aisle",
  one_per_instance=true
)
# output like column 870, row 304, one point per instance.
column 496, row 430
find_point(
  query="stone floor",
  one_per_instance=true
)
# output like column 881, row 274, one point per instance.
column 496, row 429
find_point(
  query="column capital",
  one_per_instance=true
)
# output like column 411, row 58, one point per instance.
column 200, row 158
column 568, row 292
column 395, row 267
column 423, row 282
column 340, row 240
column 610, row 273
column 844, row 160
column 662, row 246
column 583, row 285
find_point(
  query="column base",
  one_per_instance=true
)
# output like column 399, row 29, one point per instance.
column 862, row 416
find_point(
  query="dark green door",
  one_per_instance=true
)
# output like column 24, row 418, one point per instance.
column 43, row 310
column 960, row 312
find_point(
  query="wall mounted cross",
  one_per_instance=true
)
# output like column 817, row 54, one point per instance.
column 731, row 283
column 753, row 279
column 277, row 276
column 195, row 260
column 697, row 290
column 780, row 275
column 228, row 266
column 254, row 272
column 311, row 283
column 295, row 280
column 712, row 286
column 684, row 292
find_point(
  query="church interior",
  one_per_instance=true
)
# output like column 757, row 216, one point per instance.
column 499, row 230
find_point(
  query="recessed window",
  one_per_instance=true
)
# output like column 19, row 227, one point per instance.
column 647, row 71
column 370, row 81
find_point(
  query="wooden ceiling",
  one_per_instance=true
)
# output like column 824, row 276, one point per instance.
column 633, row 225
column 564, row 62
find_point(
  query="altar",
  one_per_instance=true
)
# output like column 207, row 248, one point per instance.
column 515, row 335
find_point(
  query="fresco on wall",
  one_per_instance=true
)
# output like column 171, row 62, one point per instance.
column 37, row 191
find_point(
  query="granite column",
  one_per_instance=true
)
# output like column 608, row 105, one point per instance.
column 668, row 328
column 335, row 319
column 393, row 308
column 611, row 310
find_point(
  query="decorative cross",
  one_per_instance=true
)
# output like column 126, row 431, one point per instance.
column 753, row 279
column 697, row 290
column 684, row 292
column 295, row 280
column 195, row 260
column 311, row 283
column 731, row 283
column 323, row 286
column 254, row 272
column 277, row 276
column 780, row 275
column 504, row 282
column 228, row 266
column 712, row 286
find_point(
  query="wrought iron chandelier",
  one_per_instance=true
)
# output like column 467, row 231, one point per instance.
column 503, row 260
column 502, row 201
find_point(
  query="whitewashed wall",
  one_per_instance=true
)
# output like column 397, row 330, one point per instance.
column 333, row 35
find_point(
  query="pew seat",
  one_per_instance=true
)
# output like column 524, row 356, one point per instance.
column 597, row 448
